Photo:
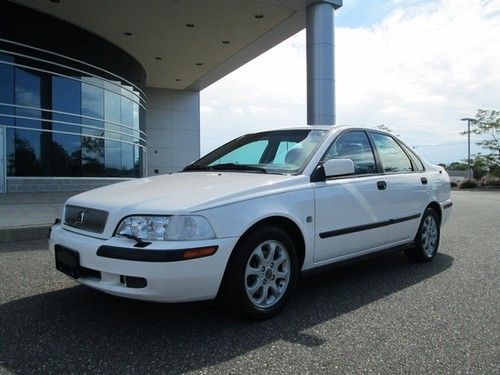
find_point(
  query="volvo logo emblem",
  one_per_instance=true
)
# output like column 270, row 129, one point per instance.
column 80, row 217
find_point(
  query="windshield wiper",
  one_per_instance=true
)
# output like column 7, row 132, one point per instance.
column 225, row 166
column 140, row 241
column 237, row 167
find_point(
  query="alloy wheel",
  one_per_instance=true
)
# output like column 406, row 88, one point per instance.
column 267, row 274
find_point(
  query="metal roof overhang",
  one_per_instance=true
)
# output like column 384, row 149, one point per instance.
column 181, row 43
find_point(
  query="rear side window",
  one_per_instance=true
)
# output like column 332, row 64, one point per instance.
column 417, row 163
column 355, row 146
column 392, row 156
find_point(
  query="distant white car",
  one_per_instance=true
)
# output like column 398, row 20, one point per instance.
column 245, row 220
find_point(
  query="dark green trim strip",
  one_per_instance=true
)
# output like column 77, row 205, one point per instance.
column 340, row 232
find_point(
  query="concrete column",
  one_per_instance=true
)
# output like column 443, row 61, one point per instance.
column 320, row 62
column 173, row 129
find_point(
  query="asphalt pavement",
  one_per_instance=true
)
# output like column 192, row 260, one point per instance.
column 383, row 315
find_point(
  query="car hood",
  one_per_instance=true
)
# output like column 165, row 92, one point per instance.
column 183, row 192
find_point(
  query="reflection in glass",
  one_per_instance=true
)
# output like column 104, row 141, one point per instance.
column 6, row 91
column 112, row 149
column 27, row 143
column 93, row 148
column 66, row 116
column 66, row 149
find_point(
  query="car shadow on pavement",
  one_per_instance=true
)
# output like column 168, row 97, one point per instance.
column 79, row 329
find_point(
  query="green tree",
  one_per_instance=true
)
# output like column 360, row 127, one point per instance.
column 487, row 123
column 458, row 166
column 484, row 164
column 384, row 128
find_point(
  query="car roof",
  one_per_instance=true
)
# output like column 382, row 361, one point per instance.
column 318, row 127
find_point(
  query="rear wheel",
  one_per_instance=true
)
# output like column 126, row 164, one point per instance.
column 262, row 274
column 427, row 238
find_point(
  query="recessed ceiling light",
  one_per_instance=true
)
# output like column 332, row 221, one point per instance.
column 178, row 79
column 127, row 33
column 259, row 16
column 189, row 25
column 158, row 58
column 199, row 63
column 225, row 42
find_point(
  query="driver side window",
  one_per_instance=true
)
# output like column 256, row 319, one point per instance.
column 355, row 146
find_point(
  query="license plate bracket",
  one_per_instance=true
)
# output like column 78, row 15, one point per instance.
column 68, row 261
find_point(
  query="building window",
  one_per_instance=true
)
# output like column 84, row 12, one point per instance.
column 66, row 153
column 61, row 122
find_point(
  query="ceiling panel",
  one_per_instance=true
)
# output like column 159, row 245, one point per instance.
column 159, row 30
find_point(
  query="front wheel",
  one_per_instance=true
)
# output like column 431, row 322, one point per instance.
column 427, row 238
column 262, row 274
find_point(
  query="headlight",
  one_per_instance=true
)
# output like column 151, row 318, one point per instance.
column 167, row 228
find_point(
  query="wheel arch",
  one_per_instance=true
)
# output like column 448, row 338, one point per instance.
column 282, row 222
column 285, row 223
column 436, row 207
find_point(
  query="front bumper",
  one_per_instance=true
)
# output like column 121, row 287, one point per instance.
column 166, row 281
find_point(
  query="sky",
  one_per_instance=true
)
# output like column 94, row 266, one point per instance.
column 416, row 66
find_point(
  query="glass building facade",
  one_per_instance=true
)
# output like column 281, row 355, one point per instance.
column 62, row 124
column 67, row 116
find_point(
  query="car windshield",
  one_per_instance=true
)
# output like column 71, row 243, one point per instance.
column 280, row 151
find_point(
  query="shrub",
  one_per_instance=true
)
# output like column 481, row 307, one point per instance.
column 490, row 181
column 468, row 183
column 453, row 184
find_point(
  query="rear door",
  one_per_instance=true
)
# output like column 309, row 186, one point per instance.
column 407, row 187
column 350, row 210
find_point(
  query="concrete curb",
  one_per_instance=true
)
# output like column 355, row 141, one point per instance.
column 35, row 232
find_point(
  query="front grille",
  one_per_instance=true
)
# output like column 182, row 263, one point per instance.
column 84, row 218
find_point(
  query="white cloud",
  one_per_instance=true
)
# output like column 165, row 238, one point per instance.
column 206, row 109
column 421, row 69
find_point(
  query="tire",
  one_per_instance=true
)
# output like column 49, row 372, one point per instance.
column 427, row 238
column 261, row 275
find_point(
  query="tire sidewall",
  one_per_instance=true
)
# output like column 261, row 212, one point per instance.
column 419, row 243
column 236, row 281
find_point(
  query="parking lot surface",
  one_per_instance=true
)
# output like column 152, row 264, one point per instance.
column 382, row 315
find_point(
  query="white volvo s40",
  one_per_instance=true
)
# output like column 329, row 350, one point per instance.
column 246, row 220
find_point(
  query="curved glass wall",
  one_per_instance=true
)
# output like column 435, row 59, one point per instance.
column 65, row 117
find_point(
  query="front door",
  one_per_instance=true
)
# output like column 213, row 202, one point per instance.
column 350, row 212
column 2, row 160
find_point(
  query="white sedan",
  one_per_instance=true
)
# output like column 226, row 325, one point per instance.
column 246, row 220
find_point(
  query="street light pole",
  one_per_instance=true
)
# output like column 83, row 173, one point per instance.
column 469, row 120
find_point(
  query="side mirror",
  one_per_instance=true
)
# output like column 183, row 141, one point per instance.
column 338, row 167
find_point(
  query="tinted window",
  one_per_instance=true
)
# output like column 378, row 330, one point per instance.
column 354, row 146
column 392, row 156
column 66, row 150
column 112, row 149
column 6, row 92
column 55, row 123
column 27, row 143
column 93, row 148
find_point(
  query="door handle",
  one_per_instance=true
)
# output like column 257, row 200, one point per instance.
column 424, row 181
column 381, row 185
